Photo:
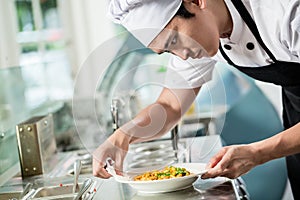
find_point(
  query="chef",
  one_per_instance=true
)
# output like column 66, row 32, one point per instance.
column 259, row 38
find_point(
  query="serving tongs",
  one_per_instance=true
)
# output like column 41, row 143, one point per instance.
column 77, row 169
column 111, row 170
column 26, row 193
column 26, row 190
column 85, row 186
column 89, row 195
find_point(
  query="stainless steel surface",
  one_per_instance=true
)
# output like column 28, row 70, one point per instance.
column 240, row 189
column 201, row 148
column 77, row 169
column 151, row 155
column 54, row 192
column 57, row 184
column 84, row 170
column 86, row 159
column 222, row 191
column 36, row 145
column 85, row 186
column 88, row 188
column 10, row 195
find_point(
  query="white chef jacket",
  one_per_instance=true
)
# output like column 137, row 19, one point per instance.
column 278, row 22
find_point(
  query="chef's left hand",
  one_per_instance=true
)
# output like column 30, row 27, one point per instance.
column 232, row 162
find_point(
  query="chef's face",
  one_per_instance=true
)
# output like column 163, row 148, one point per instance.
column 194, row 37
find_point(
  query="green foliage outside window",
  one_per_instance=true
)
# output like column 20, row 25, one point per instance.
column 25, row 16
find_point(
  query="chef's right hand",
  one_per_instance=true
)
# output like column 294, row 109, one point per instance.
column 115, row 147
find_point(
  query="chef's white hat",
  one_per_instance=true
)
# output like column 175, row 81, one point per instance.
column 145, row 19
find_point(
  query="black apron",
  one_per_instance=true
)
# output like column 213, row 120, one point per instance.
column 285, row 74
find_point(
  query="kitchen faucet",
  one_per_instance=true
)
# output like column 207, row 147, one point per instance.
column 174, row 138
column 115, row 113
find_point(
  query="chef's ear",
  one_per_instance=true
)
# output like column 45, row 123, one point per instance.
column 200, row 3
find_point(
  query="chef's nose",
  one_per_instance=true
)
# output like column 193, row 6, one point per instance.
column 182, row 53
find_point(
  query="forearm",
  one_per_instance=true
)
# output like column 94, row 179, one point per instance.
column 151, row 123
column 159, row 117
column 281, row 145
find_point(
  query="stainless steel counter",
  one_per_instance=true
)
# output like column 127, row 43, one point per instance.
column 218, row 189
column 199, row 149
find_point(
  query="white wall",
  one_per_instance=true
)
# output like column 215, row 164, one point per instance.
column 86, row 25
column 9, row 52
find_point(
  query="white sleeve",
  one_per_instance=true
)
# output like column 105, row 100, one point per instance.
column 291, row 29
column 191, row 73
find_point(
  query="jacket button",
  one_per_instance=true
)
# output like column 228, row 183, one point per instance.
column 250, row 46
column 226, row 46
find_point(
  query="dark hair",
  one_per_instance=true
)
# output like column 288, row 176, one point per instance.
column 184, row 13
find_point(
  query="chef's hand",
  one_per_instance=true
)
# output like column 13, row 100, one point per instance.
column 115, row 147
column 232, row 162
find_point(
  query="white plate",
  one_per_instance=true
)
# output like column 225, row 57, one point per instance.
column 168, row 185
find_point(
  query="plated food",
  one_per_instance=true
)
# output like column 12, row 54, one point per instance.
column 187, row 174
column 166, row 173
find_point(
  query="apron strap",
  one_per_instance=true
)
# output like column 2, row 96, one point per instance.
column 251, row 24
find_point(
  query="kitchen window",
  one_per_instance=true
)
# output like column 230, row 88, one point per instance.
column 42, row 46
column 40, row 36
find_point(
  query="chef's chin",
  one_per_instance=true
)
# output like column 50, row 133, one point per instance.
column 212, row 52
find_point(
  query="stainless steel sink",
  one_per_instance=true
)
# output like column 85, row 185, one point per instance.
column 62, row 197
column 55, row 192
column 65, row 191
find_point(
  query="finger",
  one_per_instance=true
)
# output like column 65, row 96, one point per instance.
column 215, row 159
column 102, row 173
column 97, row 163
column 223, row 163
column 211, row 174
column 231, row 175
column 220, row 168
column 99, row 170
column 235, row 170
